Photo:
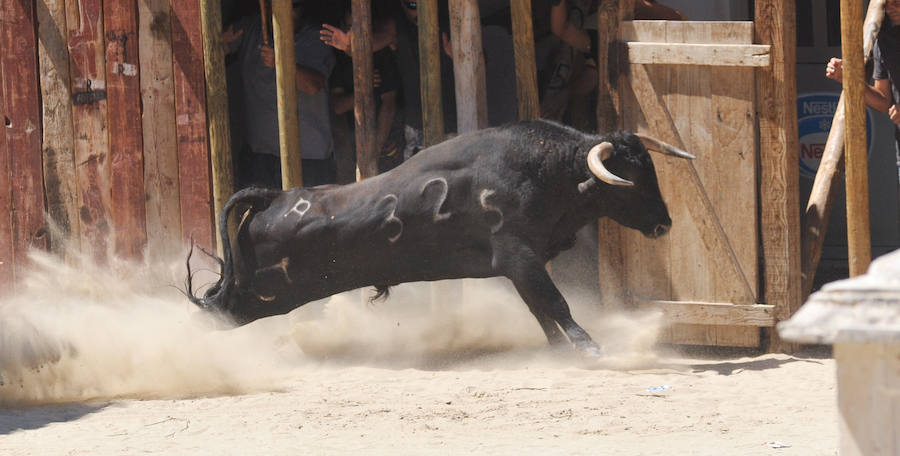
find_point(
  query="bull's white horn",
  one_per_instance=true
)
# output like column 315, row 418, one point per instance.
column 659, row 146
column 595, row 159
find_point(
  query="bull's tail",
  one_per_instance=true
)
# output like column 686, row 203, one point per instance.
column 216, row 297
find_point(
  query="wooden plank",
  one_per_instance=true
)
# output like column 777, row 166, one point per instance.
column 734, row 140
column 126, row 157
column 468, row 66
column 779, row 175
column 859, row 236
column 286, row 84
column 635, row 30
column 711, row 313
column 84, row 20
column 526, row 67
column 430, row 73
column 58, row 137
column 190, row 125
column 6, row 242
column 162, row 205
column 686, row 94
column 217, row 107
column 364, row 91
column 752, row 55
column 23, row 130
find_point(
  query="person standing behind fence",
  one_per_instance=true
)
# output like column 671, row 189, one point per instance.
column 259, row 163
column 884, row 94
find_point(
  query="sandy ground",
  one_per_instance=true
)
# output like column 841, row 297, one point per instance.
column 98, row 361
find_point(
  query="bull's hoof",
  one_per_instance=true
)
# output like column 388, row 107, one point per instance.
column 591, row 350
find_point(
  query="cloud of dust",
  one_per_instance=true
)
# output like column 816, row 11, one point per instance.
column 82, row 331
column 445, row 324
column 79, row 331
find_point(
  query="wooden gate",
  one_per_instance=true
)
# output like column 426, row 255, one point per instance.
column 692, row 84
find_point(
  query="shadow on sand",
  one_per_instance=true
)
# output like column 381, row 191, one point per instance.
column 24, row 419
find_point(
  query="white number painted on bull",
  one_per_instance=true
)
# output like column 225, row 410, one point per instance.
column 485, row 194
column 437, row 208
column 297, row 209
column 392, row 217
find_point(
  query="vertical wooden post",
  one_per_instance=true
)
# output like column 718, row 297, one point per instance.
column 162, row 205
column 217, row 108
column 286, row 82
column 430, row 72
column 779, row 174
column 468, row 66
column 22, row 121
column 526, row 68
column 611, row 267
column 190, row 114
column 858, row 233
column 363, row 90
column 607, row 31
column 126, row 157
column 821, row 198
column 58, row 137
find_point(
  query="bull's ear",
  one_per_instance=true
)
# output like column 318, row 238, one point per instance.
column 656, row 145
column 595, row 159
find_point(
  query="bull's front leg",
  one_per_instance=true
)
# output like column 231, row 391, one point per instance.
column 525, row 269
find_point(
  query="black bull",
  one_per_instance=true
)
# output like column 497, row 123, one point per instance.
column 496, row 202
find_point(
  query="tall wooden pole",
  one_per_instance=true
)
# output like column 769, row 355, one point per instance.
column 526, row 68
column 217, row 108
column 779, row 175
column 430, row 72
column 363, row 90
column 468, row 66
column 821, row 198
column 286, row 85
column 609, row 235
column 607, row 31
column 858, row 231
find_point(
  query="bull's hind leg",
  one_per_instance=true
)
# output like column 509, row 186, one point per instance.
column 534, row 285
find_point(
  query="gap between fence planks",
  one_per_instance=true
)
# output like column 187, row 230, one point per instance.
column 821, row 199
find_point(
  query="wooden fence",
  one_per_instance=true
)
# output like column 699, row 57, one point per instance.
column 106, row 130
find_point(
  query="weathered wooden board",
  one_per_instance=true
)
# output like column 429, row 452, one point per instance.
column 779, row 180
column 710, row 255
column 190, row 115
column 22, row 119
column 126, row 157
column 698, row 54
column 6, row 246
column 84, row 21
column 162, row 203
column 58, row 137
